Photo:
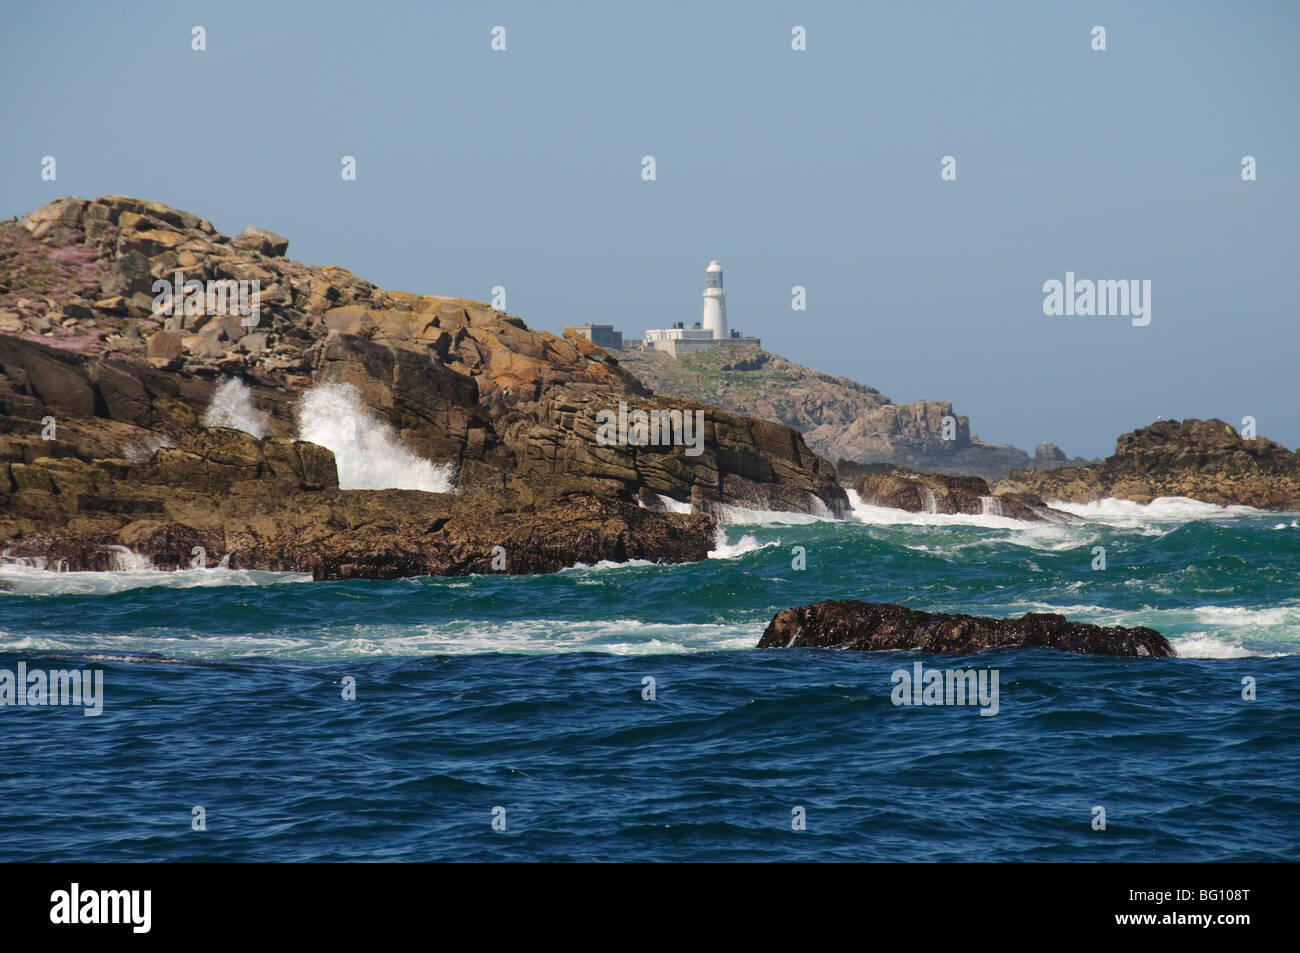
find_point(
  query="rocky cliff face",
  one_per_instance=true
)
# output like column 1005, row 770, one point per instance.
column 514, row 411
column 274, row 504
column 839, row 418
column 1203, row 459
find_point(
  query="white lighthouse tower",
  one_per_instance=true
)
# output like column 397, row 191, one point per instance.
column 715, row 302
column 709, row 332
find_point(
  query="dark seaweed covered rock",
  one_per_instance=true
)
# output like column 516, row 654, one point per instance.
column 867, row 626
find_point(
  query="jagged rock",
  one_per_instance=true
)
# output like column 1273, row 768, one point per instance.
column 750, row 363
column 1049, row 452
column 254, row 343
column 866, row 626
column 261, row 241
column 1202, row 459
column 274, row 504
column 129, row 274
column 939, row 493
column 164, row 345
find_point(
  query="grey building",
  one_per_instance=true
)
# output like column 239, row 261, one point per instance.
column 601, row 335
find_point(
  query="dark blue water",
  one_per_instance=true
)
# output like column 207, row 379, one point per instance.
column 223, row 690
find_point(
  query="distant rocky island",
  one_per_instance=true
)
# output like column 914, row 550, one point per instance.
column 137, row 421
column 1207, row 460
column 840, row 419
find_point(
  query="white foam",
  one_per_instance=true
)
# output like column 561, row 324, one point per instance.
column 888, row 516
column 1239, row 616
column 128, row 560
column 1165, row 509
column 143, row 450
column 931, row 505
column 606, row 564
column 733, row 515
column 1204, row 645
column 1207, row 631
column 232, row 406
column 369, row 453
column 31, row 581
column 374, row 640
column 614, row 636
column 746, row 544
column 674, row 506
column 817, row 507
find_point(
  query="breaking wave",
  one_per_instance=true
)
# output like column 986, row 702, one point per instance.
column 888, row 516
column 369, row 453
column 37, row 580
column 1165, row 509
column 733, row 515
column 376, row 640
column 232, row 406
column 746, row 544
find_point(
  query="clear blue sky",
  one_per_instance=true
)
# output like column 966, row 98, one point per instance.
column 820, row 168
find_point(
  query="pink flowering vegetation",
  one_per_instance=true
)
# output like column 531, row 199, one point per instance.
column 80, row 264
column 67, row 339
column 32, row 270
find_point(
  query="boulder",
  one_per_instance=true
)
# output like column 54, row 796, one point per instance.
column 261, row 241
column 164, row 345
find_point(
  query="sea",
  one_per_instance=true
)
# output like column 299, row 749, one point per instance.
column 621, row 712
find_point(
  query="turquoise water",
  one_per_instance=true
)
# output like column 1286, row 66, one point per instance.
column 223, row 690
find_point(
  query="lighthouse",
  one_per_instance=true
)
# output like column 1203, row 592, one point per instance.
column 709, row 332
column 715, row 302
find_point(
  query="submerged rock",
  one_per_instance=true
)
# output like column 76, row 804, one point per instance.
column 867, row 627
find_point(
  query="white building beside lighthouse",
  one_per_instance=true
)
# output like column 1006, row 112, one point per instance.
column 709, row 331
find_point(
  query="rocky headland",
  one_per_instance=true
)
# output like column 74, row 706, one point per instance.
column 839, row 418
column 1205, row 460
column 109, row 441
column 870, row 627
